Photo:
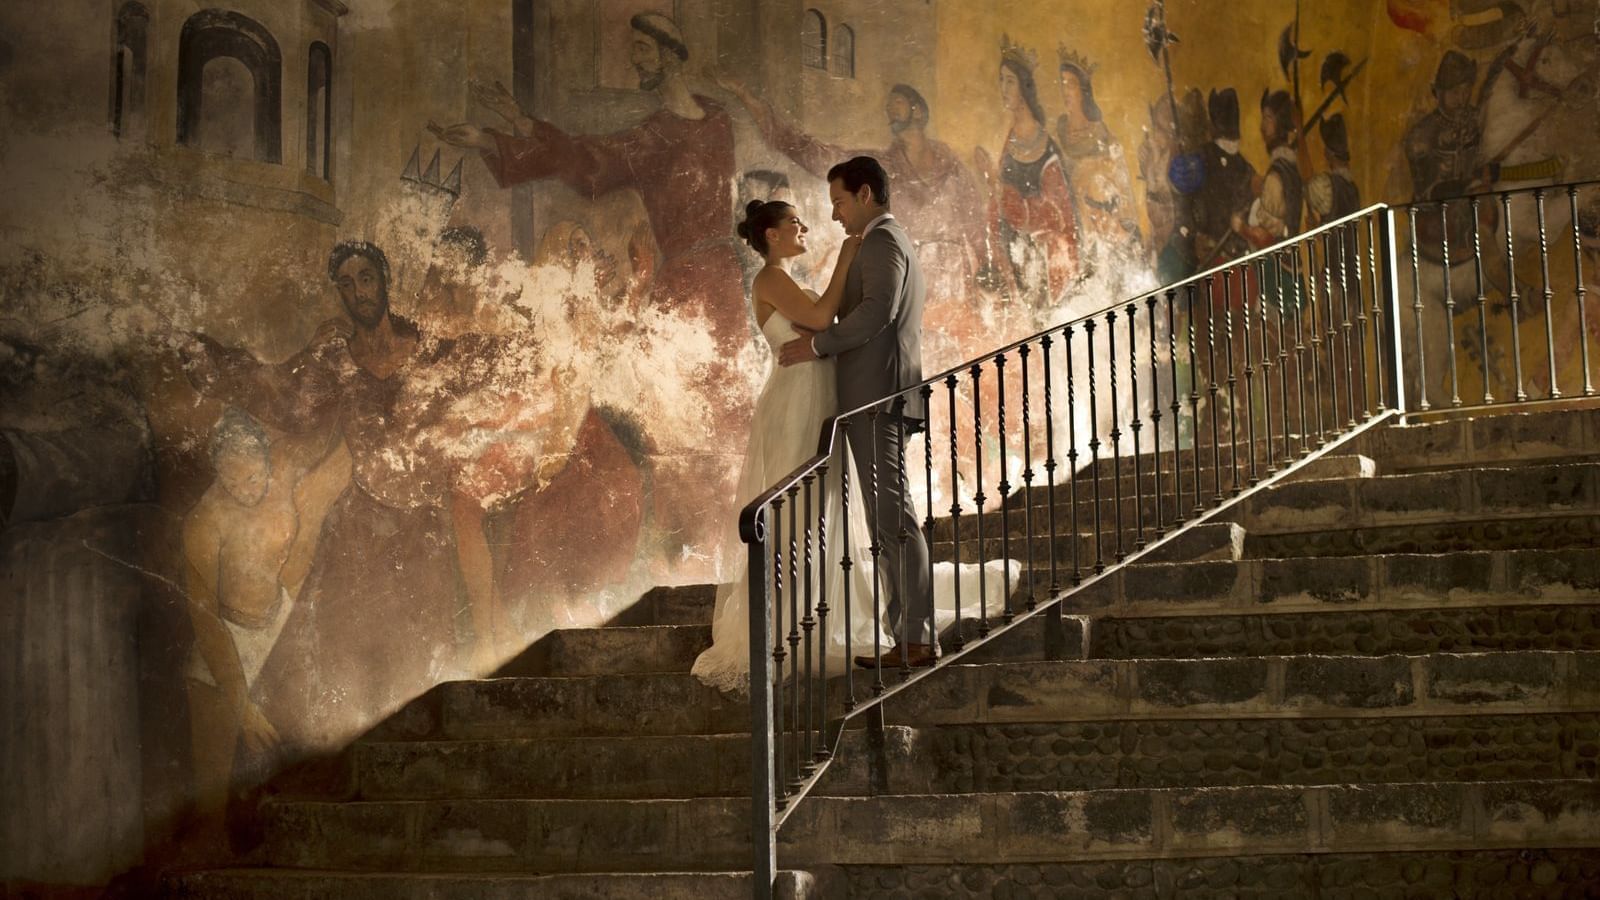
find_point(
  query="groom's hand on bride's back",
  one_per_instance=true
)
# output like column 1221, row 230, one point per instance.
column 798, row 350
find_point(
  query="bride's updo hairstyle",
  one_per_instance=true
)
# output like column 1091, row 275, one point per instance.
column 760, row 215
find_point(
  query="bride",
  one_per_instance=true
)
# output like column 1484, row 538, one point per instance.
column 794, row 403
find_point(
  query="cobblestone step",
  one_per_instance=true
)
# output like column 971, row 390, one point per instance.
column 499, row 835
column 1478, row 493
column 1261, row 687
column 1315, row 584
column 1494, row 438
column 1366, row 633
column 991, row 829
column 1122, row 755
column 616, row 650
column 1326, row 505
column 1211, row 540
column 589, row 706
column 1550, row 531
column 292, row 884
column 654, row 767
column 1552, row 874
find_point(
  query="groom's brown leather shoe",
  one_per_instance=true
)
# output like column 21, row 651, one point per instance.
column 921, row 655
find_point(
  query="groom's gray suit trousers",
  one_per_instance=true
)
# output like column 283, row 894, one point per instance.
column 902, row 563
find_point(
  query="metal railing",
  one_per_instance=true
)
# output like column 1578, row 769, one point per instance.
column 1237, row 375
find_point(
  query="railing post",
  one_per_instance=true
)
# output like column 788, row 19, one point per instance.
column 1390, row 355
column 763, row 839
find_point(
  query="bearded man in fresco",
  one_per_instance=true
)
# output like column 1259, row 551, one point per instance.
column 374, row 624
column 680, row 161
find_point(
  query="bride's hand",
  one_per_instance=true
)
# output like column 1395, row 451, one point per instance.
column 848, row 249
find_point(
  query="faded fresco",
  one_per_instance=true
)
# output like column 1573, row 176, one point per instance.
column 348, row 347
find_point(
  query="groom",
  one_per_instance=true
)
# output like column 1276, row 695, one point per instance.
column 878, row 344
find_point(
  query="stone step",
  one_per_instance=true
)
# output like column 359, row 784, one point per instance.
column 1125, row 755
column 1366, row 633
column 294, row 884
column 626, row 767
column 689, row 604
column 1260, row 687
column 1488, row 438
column 990, row 829
column 1210, row 540
column 1315, row 584
column 1573, row 874
column 588, row 706
column 1551, row 531
column 527, row 836
column 1330, row 504
column 1468, row 493
column 1343, row 462
column 617, row 650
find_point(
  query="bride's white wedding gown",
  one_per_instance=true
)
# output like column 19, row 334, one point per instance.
column 794, row 403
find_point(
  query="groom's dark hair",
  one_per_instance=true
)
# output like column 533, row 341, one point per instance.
column 863, row 170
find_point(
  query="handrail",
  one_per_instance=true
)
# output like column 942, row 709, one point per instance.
column 1351, row 372
column 825, row 443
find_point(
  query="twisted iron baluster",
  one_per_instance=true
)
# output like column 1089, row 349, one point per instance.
column 1549, row 295
column 1177, row 410
column 1301, row 302
column 1361, row 324
column 819, row 723
column 1005, row 486
column 902, row 485
column 1050, row 468
column 796, row 777
column 1133, row 391
column 978, row 497
column 875, row 550
column 959, row 640
column 1072, row 454
column 1332, row 332
column 927, row 477
column 1312, row 301
column 1483, row 301
column 1233, row 381
column 1379, row 400
column 807, row 625
column 1194, row 404
column 1212, row 389
column 1249, row 364
column 1344, row 327
column 1028, row 481
column 1580, row 290
column 1515, row 297
column 1155, row 415
column 1416, row 312
column 1094, row 446
column 780, row 784
column 1285, row 273
column 1116, row 430
column 1450, row 302
column 846, row 564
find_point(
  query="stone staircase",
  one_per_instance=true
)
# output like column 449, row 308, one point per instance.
column 1379, row 679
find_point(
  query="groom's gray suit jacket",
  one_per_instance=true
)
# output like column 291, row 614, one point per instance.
column 878, row 338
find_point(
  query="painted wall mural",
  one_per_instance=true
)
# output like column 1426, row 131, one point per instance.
column 349, row 347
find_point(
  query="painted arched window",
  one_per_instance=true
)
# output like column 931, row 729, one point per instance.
column 128, row 67
column 814, row 40
column 844, row 52
column 230, row 78
column 319, row 111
